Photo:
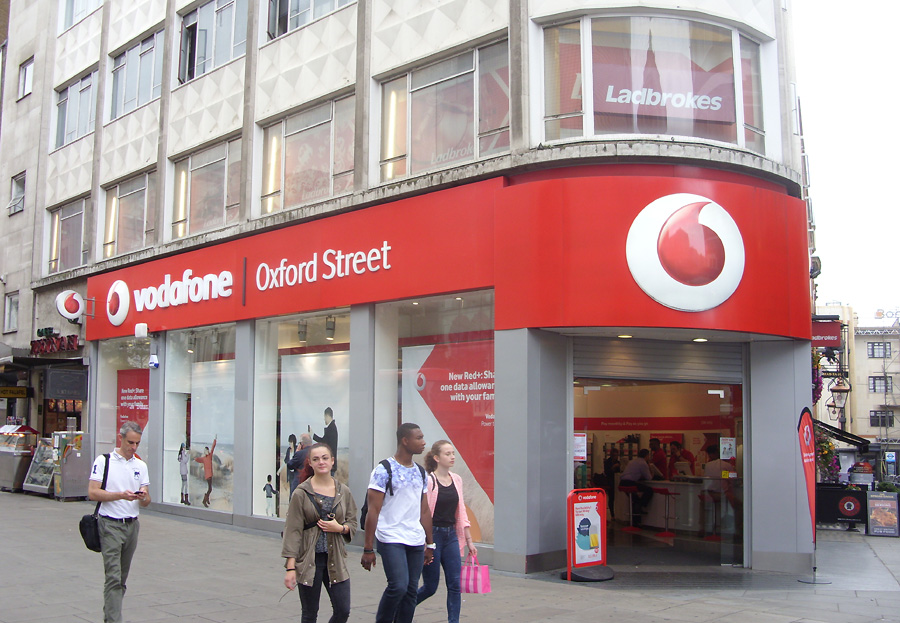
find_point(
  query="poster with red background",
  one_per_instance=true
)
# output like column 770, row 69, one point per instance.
column 807, row 436
column 133, row 397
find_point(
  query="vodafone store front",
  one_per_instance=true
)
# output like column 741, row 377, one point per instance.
column 516, row 317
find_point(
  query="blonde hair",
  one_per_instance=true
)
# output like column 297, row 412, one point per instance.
column 430, row 460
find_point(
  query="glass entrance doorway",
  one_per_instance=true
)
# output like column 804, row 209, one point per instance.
column 670, row 457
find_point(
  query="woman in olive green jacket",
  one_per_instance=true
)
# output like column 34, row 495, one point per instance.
column 321, row 519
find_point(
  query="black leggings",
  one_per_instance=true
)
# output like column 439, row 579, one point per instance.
column 339, row 593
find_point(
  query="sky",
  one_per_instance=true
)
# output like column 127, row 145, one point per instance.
column 846, row 55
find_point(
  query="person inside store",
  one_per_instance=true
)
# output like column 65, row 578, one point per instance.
column 127, row 490
column 677, row 454
column 611, row 467
column 717, row 486
column 658, row 456
column 634, row 475
column 321, row 520
column 449, row 525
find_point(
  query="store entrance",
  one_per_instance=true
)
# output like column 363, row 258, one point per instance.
column 670, row 457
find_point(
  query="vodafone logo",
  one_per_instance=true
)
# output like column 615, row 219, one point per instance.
column 686, row 252
column 70, row 304
column 420, row 382
column 117, row 303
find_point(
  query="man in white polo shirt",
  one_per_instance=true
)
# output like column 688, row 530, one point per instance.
column 127, row 489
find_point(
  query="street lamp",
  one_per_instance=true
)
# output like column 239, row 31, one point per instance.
column 840, row 390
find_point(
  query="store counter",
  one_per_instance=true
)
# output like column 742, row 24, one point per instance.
column 684, row 503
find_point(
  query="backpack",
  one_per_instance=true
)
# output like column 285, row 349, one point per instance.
column 390, row 489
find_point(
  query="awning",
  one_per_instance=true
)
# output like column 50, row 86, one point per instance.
column 842, row 435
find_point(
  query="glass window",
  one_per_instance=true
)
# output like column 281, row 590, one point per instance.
column 441, row 115
column 301, row 395
column 130, row 217
column 123, row 389
column 442, row 351
column 11, row 312
column 880, row 385
column 26, row 77
column 878, row 419
column 17, row 194
column 73, row 11
column 137, row 75
column 198, row 432
column 651, row 75
column 75, row 110
column 211, row 36
column 207, row 189
column 878, row 350
column 66, row 241
column 288, row 15
column 309, row 156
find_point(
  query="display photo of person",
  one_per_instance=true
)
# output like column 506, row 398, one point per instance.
column 330, row 434
column 207, row 461
column 184, row 464
column 270, row 492
column 288, row 457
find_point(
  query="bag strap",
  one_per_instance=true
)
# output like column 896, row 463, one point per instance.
column 103, row 484
column 387, row 467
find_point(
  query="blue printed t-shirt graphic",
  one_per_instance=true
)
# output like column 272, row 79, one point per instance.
column 399, row 519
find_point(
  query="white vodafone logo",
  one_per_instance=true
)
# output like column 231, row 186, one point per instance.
column 686, row 252
column 420, row 381
column 117, row 303
column 70, row 304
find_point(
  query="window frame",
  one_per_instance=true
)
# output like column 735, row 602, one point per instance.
column 152, row 45
column 181, row 220
column 886, row 382
column 10, row 320
column 410, row 89
column 586, row 74
column 280, row 15
column 70, row 13
column 26, row 79
column 16, row 200
column 881, row 418
column 872, row 349
column 111, row 226
column 210, row 12
column 57, row 218
column 69, row 110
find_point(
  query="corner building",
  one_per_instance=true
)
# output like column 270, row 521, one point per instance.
column 445, row 212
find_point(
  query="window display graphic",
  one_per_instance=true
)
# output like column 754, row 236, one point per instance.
column 586, row 527
column 212, row 434
column 133, row 402
column 448, row 390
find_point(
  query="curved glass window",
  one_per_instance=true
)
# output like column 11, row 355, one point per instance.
column 651, row 75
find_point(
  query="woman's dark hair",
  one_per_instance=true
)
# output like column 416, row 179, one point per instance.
column 320, row 444
column 430, row 456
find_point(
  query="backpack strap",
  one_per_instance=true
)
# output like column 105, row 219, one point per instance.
column 386, row 464
column 424, row 477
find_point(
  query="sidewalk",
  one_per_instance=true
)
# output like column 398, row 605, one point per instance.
column 194, row 572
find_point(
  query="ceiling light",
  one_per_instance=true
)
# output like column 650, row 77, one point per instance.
column 190, row 344
column 700, row 339
column 415, row 302
column 626, row 337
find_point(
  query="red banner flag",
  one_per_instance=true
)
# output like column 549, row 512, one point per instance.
column 806, row 433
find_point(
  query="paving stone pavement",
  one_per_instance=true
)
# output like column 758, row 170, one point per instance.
column 198, row 572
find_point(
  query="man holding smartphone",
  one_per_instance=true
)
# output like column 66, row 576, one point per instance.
column 127, row 489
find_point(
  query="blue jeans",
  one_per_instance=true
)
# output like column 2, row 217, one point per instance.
column 446, row 555
column 402, row 568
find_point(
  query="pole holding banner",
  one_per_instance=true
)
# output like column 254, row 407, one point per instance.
column 586, row 537
column 806, row 434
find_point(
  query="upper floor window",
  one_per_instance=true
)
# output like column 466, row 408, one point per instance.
column 651, row 75
column 309, row 156
column 211, row 36
column 288, row 15
column 207, row 189
column 878, row 350
column 26, row 77
column 11, row 312
column 17, row 194
column 881, row 385
column 454, row 111
column 66, row 236
column 73, row 11
column 878, row 419
column 75, row 110
column 137, row 75
column 130, row 215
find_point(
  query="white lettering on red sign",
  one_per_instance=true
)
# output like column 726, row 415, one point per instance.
column 336, row 264
column 649, row 97
column 188, row 289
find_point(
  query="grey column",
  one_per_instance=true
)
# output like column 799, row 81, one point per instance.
column 152, row 441
column 780, row 529
column 362, row 401
column 243, row 420
column 531, row 466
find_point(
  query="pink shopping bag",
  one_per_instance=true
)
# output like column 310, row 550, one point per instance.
column 474, row 578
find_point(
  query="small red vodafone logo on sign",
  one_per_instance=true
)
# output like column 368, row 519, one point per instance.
column 70, row 304
column 117, row 303
column 686, row 252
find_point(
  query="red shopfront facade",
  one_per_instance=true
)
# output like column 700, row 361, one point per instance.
column 626, row 248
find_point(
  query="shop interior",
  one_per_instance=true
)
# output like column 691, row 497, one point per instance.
column 695, row 513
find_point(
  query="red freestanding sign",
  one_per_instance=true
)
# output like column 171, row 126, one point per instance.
column 586, row 529
column 807, row 435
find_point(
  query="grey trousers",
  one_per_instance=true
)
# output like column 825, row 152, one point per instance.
column 118, row 543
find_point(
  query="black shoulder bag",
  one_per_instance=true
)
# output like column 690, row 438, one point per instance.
column 89, row 526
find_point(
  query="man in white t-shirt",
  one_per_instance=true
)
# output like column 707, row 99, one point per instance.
column 401, row 522
column 127, row 489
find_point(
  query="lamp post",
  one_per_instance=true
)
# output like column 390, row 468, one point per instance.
column 839, row 393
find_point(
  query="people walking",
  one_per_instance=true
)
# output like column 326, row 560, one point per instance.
column 399, row 520
column 321, row 519
column 450, row 527
column 206, row 460
column 127, row 489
